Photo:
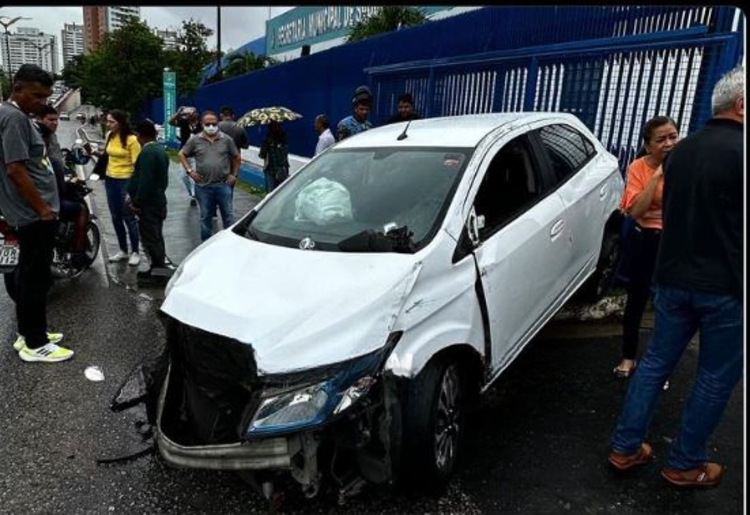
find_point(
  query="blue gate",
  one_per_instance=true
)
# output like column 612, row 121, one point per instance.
column 667, row 65
column 613, row 66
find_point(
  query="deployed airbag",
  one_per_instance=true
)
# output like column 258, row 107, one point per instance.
column 323, row 202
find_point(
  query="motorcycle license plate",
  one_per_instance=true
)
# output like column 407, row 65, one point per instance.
column 8, row 255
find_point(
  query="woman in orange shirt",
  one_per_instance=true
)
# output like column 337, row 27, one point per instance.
column 642, row 200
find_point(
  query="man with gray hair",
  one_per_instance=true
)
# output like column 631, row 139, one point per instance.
column 698, row 286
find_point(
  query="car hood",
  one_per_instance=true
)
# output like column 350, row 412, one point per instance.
column 298, row 309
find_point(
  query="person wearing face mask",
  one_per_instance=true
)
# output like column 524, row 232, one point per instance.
column 217, row 166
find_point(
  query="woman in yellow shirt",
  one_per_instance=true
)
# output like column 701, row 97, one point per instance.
column 123, row 149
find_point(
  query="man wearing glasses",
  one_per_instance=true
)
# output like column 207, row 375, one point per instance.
column 217, row 165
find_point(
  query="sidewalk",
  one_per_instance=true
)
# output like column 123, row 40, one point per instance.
column 181, row 228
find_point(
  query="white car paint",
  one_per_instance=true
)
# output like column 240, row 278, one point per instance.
column 298, row 309
column 302, row 309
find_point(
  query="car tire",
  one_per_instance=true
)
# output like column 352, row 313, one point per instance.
column 11, row 282
column 433, row 423
column 599, row 284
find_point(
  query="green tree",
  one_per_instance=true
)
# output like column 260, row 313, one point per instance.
column 74, row 72
column 125, row 71
column 246, row 62
column 191, row 56
column 388, row 19
column 5, row 84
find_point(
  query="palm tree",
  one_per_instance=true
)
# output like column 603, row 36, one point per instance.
column 388, row 19
column 246, row 62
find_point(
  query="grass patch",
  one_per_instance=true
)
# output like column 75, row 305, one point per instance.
column 246, row 187
column 172, row 153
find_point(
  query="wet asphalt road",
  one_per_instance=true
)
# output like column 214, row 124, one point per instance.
column 537, row 443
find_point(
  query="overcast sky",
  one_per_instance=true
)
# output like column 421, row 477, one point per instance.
column 238, row 24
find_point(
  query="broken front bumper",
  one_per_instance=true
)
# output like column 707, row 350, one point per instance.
column 270, row 453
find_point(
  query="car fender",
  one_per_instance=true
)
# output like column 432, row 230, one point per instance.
column 441, row 310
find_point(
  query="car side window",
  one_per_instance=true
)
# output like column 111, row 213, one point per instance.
column 510, row 185
column 567, row 149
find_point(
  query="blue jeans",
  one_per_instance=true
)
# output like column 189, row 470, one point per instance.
column 209, row 197
column 121, row 215
column 679, row 315
column 187, row 181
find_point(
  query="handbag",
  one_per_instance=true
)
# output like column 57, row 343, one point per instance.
column 100, row 168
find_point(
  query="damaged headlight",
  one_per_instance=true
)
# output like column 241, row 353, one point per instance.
column 311, row 405
column 299, row 407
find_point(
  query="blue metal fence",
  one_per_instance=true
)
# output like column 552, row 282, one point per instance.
column 613, row 66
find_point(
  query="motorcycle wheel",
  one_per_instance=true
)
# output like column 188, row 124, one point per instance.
column 93, row 241
column 67, row 266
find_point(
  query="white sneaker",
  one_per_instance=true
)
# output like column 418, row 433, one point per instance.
column 135, row 258
column 50, row 353
column 118, row 257
column 20, row 342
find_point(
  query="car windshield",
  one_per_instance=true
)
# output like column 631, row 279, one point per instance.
column 362, row 200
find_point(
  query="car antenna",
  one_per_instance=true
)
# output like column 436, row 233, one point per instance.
column 403, row 135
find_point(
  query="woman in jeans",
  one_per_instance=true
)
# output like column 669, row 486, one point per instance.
column 642, row 201
column 122, row 148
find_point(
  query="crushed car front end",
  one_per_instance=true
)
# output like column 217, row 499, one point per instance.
column 216, row 412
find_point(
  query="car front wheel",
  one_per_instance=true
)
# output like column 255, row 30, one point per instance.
column 434, row 424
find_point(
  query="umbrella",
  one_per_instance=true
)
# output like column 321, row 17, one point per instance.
column 265, row 115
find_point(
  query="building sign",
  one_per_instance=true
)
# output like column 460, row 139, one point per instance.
column 311, row 25
column 170, row 92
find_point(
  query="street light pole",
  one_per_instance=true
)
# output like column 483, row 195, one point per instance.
column 6, row 25
column 218, row 40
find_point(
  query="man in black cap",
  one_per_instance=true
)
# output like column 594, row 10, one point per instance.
column 146, row 194
column 357, row 122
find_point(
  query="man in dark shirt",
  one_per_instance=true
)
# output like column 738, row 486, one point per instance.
column 405, row 110
column 186, row 119
column 699, row 283
column 228, row 126
column 146, row 194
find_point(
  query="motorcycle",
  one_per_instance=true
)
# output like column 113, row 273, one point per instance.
column 66, row 264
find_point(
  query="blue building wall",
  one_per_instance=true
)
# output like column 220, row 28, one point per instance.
column 324, row 82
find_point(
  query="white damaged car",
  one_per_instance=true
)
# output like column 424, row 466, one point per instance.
column 338, row 330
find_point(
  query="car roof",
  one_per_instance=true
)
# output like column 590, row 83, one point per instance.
column 462, row 131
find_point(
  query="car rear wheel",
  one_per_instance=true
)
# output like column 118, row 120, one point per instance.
column 434, row 424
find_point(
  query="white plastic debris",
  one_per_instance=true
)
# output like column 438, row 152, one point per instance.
column 94, row 374
column 323, row 202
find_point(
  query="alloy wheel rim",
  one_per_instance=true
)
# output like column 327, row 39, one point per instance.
column 448, row 423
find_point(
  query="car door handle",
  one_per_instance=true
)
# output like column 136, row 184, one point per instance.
column 556, row 229
column 603, row 192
